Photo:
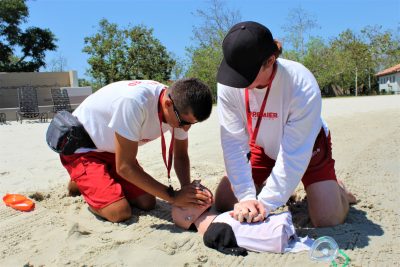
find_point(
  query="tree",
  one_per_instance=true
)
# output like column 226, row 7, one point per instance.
column 31, row 43
column 57, row 64
column 299, row 23
column 126, row 54
column 82, row 82
column 317, row 61
column 384, row 46
column 206, row 55
column 353, row 58
column 205, row 63
column 178, row 71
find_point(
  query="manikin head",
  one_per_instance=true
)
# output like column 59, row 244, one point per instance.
column 185, row 217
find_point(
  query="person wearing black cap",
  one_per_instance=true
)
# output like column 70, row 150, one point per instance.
column 272, row 133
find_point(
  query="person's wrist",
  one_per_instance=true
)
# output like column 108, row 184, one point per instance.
column 184, row 183
column 248, row 197
column 171, row 194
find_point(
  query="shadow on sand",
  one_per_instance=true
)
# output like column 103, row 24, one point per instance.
column 355, row 232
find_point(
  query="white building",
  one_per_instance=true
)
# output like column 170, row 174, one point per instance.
column 389, row 80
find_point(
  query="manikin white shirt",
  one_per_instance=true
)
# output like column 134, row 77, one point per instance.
column 271, row 235
column 290, row 124
column 129, row 108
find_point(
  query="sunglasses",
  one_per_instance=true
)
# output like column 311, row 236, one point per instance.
column 178, row 117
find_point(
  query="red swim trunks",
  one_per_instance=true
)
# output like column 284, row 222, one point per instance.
column 320, row 168
column 97, row 178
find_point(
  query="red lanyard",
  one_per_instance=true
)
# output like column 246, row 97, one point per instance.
column 168, row 164
column 253, row 135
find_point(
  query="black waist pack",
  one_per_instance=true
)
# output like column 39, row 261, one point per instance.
column 66, row 134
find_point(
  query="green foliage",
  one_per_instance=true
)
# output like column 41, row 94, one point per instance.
column 351, row 58
column 345, row 60
column 350, row 55
column 126, row 54
column 32, row 43
column 83, row 82
column 384, row 46
column 292, row 55
column 318, row 59
column 179, row 69
column 205, row 63
column 206, row 55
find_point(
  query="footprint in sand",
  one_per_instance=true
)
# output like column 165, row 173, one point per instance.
column 77, row 231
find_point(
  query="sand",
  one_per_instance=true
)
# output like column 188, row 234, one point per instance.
column 62, row 232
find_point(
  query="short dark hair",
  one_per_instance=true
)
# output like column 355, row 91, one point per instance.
column 192, row 95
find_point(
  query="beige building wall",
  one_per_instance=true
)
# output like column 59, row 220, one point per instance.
column 43, row 82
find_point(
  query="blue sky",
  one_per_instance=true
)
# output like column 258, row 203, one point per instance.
column 173, row 20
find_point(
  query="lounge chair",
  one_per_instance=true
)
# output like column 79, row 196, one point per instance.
column 2, row 117
column 60, row 100
column 28, row 105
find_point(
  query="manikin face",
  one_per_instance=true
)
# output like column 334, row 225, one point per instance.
column 185, row 217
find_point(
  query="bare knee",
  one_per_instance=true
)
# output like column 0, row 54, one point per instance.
column 327, row 205
column 332, row 217
column 150, row 205
column 120, row 215
column 116, row 212
column 224, row 196
column 73, row 189
column 145, row 202
column 327, row 220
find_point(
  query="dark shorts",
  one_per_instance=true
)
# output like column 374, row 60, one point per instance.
column 97, row 179
column 320, row 168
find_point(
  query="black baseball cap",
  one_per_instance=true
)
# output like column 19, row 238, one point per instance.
column 246, row 46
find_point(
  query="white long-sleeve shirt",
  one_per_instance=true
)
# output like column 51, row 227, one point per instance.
column 290, row 124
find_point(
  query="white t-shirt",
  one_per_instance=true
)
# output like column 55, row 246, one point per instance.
column 129, row 108
column 271, row 235
column 288, row 129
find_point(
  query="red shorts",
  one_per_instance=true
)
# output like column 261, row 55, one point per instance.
column 320, row 168
column 97, row 178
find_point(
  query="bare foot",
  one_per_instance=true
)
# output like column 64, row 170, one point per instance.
column 73, row 189
column 350, row 197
